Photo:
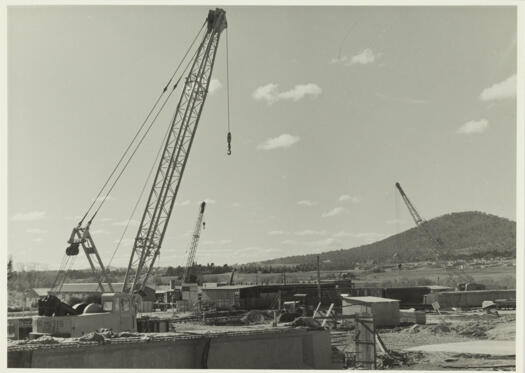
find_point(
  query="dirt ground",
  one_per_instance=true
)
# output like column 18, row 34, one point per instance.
column 453, row 328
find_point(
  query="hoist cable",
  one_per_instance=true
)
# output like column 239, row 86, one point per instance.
column 229, row 135
column 228, row 79
column 140, row 129
column 143, row 137
column 141, row 194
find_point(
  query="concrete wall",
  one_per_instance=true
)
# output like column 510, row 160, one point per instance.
column 472, row 298
column 291, row 349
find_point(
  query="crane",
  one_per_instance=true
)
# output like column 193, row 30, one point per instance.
column 460, row 279
column 154, row 222
column 194, row 242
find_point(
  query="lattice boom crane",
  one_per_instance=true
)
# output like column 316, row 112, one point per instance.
column 439, row 248
column 175, row 155
column 194, row 243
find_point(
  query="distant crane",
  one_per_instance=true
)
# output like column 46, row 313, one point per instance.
column 199, row 225
column 461, row 280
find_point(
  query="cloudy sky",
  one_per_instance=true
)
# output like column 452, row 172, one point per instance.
column 329, row 108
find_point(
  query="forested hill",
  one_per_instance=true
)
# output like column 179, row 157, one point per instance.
column 464, row 234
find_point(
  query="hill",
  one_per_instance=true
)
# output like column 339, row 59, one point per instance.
column 464, row 234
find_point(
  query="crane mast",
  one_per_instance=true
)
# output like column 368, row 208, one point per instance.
column 194, row 242
column 178, row 144
column 439, row 246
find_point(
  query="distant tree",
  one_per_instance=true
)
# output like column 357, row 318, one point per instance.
column 10, row 269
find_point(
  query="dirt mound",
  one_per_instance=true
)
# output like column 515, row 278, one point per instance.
column 93, row 337
column 256, row 317
column 44, row 340
column 397, row 359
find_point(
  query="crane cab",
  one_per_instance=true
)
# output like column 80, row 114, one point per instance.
column 118, row 313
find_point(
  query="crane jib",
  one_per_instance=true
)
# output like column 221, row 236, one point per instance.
column 174, row 157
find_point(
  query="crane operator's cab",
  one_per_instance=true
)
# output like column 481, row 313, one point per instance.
column 117, row 312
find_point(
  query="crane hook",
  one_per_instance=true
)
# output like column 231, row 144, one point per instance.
column 229, row 139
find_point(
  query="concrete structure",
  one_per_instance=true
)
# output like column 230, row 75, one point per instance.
column 275, row 348
column 250, row 297
column 409, row 297
column 384, row 310
column 82, row 291
column 412, row 317
column 230, row 296
column 473, row 298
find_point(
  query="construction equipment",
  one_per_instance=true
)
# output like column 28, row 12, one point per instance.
column 231, row 277
column 190, row 262
column 460, row 279
column 119, row 309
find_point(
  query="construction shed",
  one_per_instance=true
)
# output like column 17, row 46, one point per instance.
column 472, row 298
column 230, row 296
column 384, row 310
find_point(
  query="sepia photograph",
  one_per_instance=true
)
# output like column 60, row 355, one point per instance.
column 352, row 198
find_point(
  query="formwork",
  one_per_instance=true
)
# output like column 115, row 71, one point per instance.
column 245, row 348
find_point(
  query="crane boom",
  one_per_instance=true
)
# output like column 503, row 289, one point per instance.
column 194, row 242
column 438, row 246
column 178, row 144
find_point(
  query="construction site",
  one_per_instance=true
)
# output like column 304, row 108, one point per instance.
column 458, row 318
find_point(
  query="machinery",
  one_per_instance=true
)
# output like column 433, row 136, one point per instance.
column 118, row 310
column 460, row 279
column 188, row 275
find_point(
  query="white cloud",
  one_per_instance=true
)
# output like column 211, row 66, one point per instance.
column 352, row 199
column 183, row 203
column 333, row 212
column 266, row 93
column 474, row 126
column 275, row 233
column 236, row 204
column 38, row 239
column 29, row 216
column 36, row 231
column 338, row 59
column 283, row 141
column 366, row 56
column 123, row 223
column 501, row 90
column 307, row 203
column 215, row 85
column 300, row 91
column 210, row 201
column 309, row 232
column 289, row 242
column 270, row 93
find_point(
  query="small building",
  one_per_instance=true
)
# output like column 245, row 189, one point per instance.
column 229, row 296
column 190, row 293
column 384, row 310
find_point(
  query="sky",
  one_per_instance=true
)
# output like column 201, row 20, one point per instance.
column 330, row 106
